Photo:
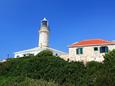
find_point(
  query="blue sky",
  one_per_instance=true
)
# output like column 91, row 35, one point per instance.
column 70, row 21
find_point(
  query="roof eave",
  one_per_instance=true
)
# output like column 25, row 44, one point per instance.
column 90, row 45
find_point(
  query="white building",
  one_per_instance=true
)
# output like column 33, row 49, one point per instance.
column 90, row 50
column 43, row 43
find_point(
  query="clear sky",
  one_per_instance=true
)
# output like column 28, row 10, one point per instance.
column 70, row 21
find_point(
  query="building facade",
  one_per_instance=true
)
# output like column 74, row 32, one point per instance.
column 90, row 50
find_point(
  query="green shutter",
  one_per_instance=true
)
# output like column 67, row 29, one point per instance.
column 81, row 50
column 106, row 49
column 77, row 51
column 101, row 50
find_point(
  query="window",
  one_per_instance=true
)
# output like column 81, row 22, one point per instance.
column 30, row 54
column 95, row 48
column 44, row 23
column 103, row 49
column 24, row 55
column 79, row 51
column 56, row 54
column 17, row 56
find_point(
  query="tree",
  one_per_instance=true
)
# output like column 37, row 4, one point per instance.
column 106, row 75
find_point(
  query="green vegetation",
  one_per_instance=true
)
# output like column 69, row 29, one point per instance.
column 48, row 70
column 45, row 53
column 21, row 81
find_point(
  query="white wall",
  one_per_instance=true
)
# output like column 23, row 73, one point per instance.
column 43, row 37
column 88, row 53
column 35, row 51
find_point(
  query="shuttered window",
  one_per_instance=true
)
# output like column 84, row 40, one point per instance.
column 103, row 49
column 79, row 51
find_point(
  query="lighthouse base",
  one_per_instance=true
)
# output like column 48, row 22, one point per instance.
column 35, row 51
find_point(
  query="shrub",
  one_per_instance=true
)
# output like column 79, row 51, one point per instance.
column 45, row 53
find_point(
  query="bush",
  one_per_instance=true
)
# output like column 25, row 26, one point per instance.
column 45, row 53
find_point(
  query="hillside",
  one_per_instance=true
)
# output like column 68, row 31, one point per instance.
column 47, row 70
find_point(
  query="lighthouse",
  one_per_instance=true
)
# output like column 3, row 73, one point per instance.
column 44, row 34
column 43, row 43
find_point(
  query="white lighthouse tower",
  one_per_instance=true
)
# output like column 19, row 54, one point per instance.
column 44, row 34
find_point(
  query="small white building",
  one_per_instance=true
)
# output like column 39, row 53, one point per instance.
column 43, row 43
column 90, row 50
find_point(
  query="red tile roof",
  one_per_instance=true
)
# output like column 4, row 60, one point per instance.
column 92, row 42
